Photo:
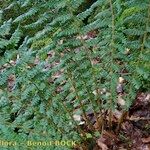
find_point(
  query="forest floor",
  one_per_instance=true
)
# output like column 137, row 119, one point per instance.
column 134, row 133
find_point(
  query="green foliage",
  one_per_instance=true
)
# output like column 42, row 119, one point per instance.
column 41, row 43
column 54, row 70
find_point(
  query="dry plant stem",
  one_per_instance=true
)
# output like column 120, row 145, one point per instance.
column 103, row 121
column 103, row 125
column 110, row 119
column 121, row 119
column 125, row 73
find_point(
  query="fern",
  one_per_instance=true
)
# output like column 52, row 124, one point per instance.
column 59, row 67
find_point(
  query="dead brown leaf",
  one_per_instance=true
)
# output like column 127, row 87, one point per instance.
column 117, row 114
column 120, row 100
column 142, row 100
column 146, row 140
column 119, row 88
column 121, row 80
column 101, row 144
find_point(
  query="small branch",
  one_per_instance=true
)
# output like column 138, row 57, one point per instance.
column 122, row 118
